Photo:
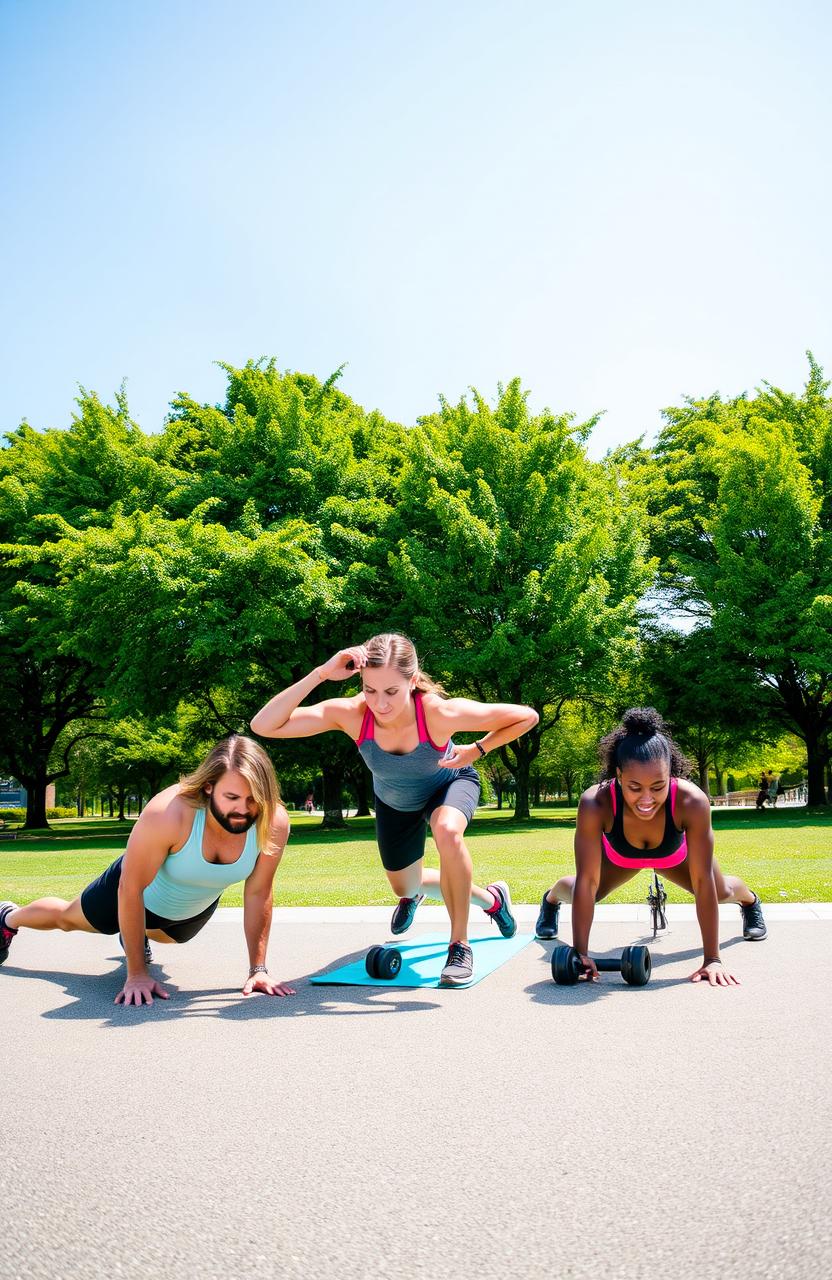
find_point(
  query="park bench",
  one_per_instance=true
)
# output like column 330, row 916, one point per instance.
column 6, row 832
column 746, row 798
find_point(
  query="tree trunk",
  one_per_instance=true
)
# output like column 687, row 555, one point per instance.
column 702, row 762
column 360, row 780
column 525, row 751
column 810, row 716
column 120, row 794
column 333, row 775
column 814, row 769
column 720, row 778
column 498, row 788
column 521, row 793
column 35, row 785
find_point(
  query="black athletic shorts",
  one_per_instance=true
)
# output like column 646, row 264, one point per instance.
column 99, row 903
column 401, row 833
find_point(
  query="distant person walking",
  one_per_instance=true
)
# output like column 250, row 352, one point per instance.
column 773, row 789
column 762, row 794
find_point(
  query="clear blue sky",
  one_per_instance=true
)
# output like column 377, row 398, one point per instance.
column 622, row 203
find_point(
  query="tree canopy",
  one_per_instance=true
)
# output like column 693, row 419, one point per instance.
column 207, row 565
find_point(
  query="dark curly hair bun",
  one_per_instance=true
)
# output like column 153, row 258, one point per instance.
column 643, row 720
column 642, row 736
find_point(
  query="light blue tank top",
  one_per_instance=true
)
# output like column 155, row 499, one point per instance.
column 186, row 884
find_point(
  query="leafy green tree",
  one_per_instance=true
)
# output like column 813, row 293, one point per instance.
column 288, row 455
column 520, row 563
column 568, row 758
column 500, row 779
column 715, row 707
column 52, row 693
column 740, row 495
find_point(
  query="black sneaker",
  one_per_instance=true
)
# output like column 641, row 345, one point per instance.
column 148, row 954
column 6, row 934
column 501, row 912
column 404, row 913
column 459, row 970
column 753, row 924
column 547, row 921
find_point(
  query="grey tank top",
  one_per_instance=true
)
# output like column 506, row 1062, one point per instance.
column 405, row 782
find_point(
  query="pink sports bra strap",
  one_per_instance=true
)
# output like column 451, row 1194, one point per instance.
column 612, row 795
column 420, row 717
column 368, row 728
column 422, row 724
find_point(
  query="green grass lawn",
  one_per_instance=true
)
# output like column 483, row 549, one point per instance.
column 785, row 855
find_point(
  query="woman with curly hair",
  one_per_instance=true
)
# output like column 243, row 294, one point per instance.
column 645, row 813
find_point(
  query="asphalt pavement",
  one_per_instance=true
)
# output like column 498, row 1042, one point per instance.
column 512, row 1129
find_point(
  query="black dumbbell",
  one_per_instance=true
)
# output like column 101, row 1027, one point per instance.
column 634, row 966
column 383, row 962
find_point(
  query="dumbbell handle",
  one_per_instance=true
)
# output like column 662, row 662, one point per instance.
column 607, row 965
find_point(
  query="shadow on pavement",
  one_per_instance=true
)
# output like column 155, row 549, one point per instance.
column 548, row 992
column 94, row 996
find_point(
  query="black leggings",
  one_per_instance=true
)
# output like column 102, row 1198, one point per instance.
column 401, row 833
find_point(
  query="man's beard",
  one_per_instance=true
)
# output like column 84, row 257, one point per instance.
column 236, row 826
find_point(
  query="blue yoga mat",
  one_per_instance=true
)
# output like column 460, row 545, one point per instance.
column 423, row 959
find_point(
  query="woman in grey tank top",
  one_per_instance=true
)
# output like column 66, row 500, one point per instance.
column 402, row 724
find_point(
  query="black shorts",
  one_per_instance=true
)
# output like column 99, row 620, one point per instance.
column 401, row 833
column 99, row 903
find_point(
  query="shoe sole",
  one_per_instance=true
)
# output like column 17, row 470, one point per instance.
column 506, row 892
column 456, row 982
column 398, row 932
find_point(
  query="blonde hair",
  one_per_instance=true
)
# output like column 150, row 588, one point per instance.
column 247, row 757
column 392, row 650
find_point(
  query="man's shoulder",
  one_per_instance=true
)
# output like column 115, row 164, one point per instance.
column 168, row 812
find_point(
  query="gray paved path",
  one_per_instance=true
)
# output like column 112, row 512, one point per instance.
column 514, row 1129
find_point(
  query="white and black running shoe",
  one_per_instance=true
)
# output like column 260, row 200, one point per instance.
column 459, row 969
